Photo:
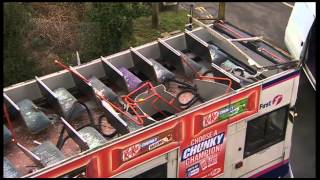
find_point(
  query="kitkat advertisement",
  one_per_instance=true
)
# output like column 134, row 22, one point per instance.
column 203, row 155
column 203, row 144
column 200, row 136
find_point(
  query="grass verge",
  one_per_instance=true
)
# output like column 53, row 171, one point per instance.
column 144, row 33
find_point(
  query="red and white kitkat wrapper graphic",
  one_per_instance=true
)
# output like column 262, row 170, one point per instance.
column 230, row 109
column 139, row 150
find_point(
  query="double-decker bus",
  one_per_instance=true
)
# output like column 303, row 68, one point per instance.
column 214, row 101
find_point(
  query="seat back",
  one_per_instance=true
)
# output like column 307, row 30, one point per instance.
column 113, row 73
column 107, row 92
column 66, row 101
column 209, row 90
column 197, row 46
column 76, row 136
column 114, row 119
column 132, row 81
column 48, row 153
column 50, row 95
column 143, row 65
column 170, row 55
column 92, row 137
column 44, row 154
column 162, row 73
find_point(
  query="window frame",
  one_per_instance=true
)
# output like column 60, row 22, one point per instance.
column 271, row 143
column 146, row 173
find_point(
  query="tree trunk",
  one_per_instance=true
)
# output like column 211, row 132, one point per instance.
column 155, row 15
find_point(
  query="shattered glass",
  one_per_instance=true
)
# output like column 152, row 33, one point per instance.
column 48, row 153
column 216, row 55
column 92, row 137
column 6, row 134
column 65, row 99
column 35, row 119
column 9, row 171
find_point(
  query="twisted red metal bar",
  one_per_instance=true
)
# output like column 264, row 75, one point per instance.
column 273, row 55
column 100, row 96
column 220, row 23
column 149, row 87
column 7, row 117
column 199, row 76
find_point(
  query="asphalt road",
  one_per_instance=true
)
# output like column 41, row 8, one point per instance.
column 269, row 19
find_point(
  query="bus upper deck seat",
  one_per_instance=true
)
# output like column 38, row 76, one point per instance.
column 35, row 119
column 194, row 65
column 87, row 137
column 6, row 134
column 9, row 171
column 48, row 153
column 162, row 73
column 107, row 92
column 66, row 101
column 132, row 81
column 92, row 137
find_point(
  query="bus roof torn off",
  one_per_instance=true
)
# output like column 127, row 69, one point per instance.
column 216, row 90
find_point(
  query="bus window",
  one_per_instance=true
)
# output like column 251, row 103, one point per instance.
column 265, row 131
column 156, row 172
column 77, row 173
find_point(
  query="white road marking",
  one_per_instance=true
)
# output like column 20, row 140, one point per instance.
column 202, row 8
column 290, row 171
column 287, row 4
column 199, row 9
column 207, row 12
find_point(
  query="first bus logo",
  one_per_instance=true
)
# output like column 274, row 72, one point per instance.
column 275, row 101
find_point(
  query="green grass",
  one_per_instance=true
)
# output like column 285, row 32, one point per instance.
column 144, row 33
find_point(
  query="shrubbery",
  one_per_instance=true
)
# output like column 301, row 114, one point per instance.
column 37, row 33
column 112, row 26
column 17, row 64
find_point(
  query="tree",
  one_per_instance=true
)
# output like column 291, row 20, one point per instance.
column 155, row 15
column 54, row 33
column 17, row 64
column 37, row 33
column 113, row 23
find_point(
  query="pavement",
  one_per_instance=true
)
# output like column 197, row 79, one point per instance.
column 269, row 19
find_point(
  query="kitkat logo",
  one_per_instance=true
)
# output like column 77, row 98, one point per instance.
column 130, row 152
column 210, row 118
column 274, row 102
